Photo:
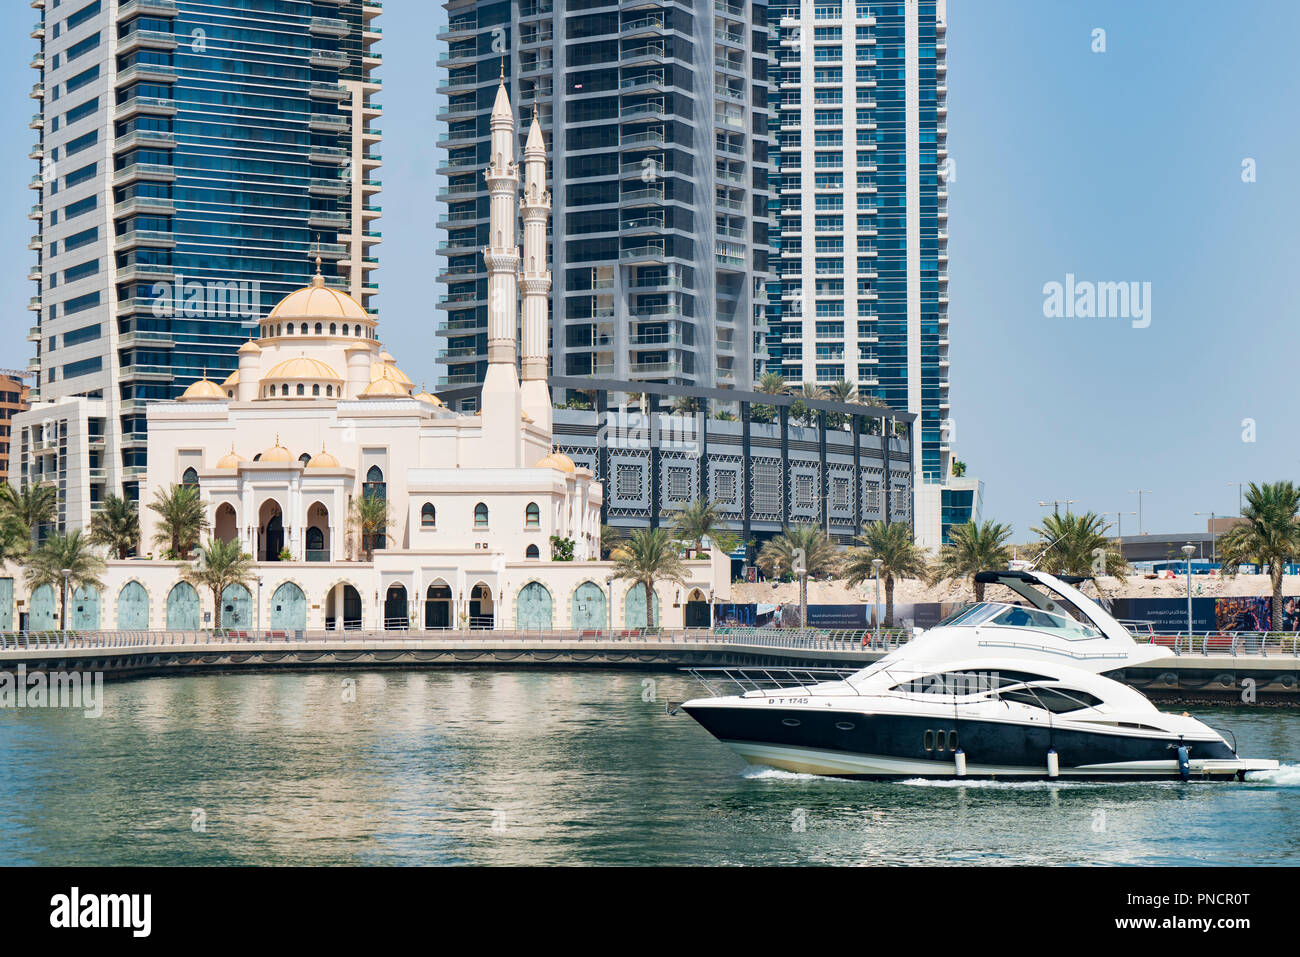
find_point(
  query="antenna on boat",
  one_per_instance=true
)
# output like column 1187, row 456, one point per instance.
column 1032, row 565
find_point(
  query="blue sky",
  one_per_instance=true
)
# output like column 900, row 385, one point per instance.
column 1117, row 166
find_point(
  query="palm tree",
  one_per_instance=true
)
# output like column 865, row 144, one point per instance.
column 371, row 519
column 610, row 538
column 799, row 411
column 218, row 566
column 770, row 383
column 181, row 519
column 64, row 553
column 899, row 557
column 15, row 543
column 702, row 519
column 1269, row 536
column 685, row 405
column 1077, row 545
column 781, row 554
column 649, row 555
column 31, row 507
column 973, row 548
column 840, row 391
column 116, row 525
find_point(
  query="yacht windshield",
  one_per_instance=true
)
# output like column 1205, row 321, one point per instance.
column 972, row 615
column 1015, row 616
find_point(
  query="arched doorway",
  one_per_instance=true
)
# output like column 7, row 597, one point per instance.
column 6, row 604
column 533, row 608
column 317, row 533
column 437, row 606
column 397, row 616
column 697, row 614
column 226, row 527
column 288, row 608
column 44, row 615
column 182, row 608
column 589, row 612
column 132, row 607
column 634, row 607
column 83, row 608
column 482, row 611
column 270, row 524
column 236, row 607
column 343, row 608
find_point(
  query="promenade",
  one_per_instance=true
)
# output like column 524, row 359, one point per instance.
column 1244, row 669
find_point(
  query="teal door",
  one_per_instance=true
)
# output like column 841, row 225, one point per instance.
column 45, row 609
column 6, row 604
column 534, row 609
column 236, row 607
column 634, row 608
column 589, row 608
column 182, row 608
column 84, row 611
column 288, row 608
column 132, row 607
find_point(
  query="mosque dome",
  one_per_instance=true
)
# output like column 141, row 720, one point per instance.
column 323, row 460
column 230, row 461
column 384, row 389
column 302, row 367
column 556, row 460
column 318, row 310
column 232, row 379
column 277, row 453
column 386, row 368
column 249, row 346
column 203, row 389
column 433, row 400
column 301, row 378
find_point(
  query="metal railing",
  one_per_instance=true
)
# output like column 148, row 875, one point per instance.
column 1234, row 643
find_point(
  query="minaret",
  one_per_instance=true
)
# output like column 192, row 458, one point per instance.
column 501, row 408
column 535, row 206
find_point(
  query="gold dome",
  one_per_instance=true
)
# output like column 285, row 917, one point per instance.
column 277, row 453
column 229, row 461
column 384, row 389
column 425, row 396
column 202, row 389
column 387, row 370
column 556, row 460
column 250, row 346
column 323, row 460
column 302, row 367
column 232, row 379
column 319, row 301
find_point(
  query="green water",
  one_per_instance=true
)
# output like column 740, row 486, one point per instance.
column 531, row 767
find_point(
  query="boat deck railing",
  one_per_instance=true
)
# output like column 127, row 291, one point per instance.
column 723, row 682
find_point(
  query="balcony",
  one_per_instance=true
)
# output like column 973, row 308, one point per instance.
column 36, row 243
column 650, row 251
column 328, row 91
column 327, row 154
column 330, row 122
column 38, row 62
column 37, row 121
column 36, row 182
column 146, row 39
column 325, row 59
column 144, row 271
column 150, row 139
column 38, row 91
column 38, row 30
column 153, row 8
column 145, row 204
column 146, row 337
column 151, row 105
column 36, row 212
column 320, row 186
column 327, row 217
column 328, row 26
column 156, row 238
column 146, row 72
column 152, row 172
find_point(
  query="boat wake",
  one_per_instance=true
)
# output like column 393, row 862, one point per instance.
column 756, row 772
column 1287, row 776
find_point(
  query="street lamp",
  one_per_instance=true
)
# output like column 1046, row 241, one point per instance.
column 1187, row 551
column 259, row 607
column 1214, row 538
column 609, row 605
column 63, row 621
column 1239, row 486
column 1119, row 521
column 1056, row 504
column 875, row 564
column 1139, row 492
column 800, row 569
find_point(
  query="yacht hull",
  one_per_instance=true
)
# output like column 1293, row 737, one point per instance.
column 832, row 741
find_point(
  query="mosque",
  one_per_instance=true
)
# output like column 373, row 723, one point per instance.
column 318, row 414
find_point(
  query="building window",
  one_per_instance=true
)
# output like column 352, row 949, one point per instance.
column 374, row 485
column 190, row 478
column 532, row 552
column 428, row 516
column 304, row 458
column 480, row 515
column 302, row 390
column 532, row 516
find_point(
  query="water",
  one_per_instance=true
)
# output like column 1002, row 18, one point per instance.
column 531, row 767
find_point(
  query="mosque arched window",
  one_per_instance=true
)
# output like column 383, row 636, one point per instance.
column 304, row 458
column 532, row 552
column 374, row 485
column 302, row 389
column 319, row 327
column 532, row 516
column 480, row 515
column 190, row 478
column 315, row 389
column 428, row 516
column 329, row 390
column 334, row 327
column 291, row 328
column 284, row 389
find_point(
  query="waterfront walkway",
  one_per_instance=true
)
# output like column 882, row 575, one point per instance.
column 1244, row 668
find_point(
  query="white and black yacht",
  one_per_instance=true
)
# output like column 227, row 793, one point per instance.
column 997, row 690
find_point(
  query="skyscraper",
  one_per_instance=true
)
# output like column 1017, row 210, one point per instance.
column 860, row 117
column 195, row 159
column 657, row 119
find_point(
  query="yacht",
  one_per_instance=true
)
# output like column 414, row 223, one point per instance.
column 999, row 689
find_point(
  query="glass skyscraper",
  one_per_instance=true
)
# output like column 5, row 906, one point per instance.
column 656, row 115
column 195, row 160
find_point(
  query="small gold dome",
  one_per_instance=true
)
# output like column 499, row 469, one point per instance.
column 302, row 367
column 386, row 370
column 230, row 461
column 323, row 460
column 249, row 347
column 425, row 396
column 232, row 379
column 201, row 390
column 556, row 460
column 384, row 389
column 277, row 453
